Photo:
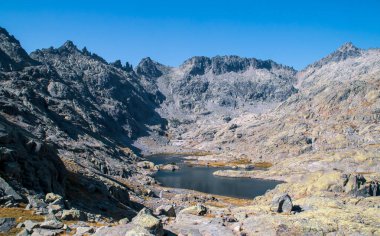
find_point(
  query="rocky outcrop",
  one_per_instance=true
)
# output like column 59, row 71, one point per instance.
column 167, row 210
column 148, row 222
column 149, row 68
column 29, row 163
column 282, row 204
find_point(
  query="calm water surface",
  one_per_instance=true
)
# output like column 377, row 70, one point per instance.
column 202, row 179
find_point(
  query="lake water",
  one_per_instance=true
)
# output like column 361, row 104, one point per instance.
column 202, row 179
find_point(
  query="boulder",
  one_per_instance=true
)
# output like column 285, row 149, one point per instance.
column 282, row 203
column 52, row 197
column 80, row 231
column 52, row 224
column 374, row 188
column 73, row 214
column 36, row 202
column 6, row 189
column 124, row 221
column 145, row 164
column 30, row 225
column 7, row 224
column 199, row 210
column 23, row 232
column 170, row 167
column 167, row 210
column 146, row 220
column 47, row 232
column 354, row 184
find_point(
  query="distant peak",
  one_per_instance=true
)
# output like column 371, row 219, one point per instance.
column 347, row 47
column 69, row 45
column 149, row 68
column 347, row 50
column 3, row 31
column 15, row 55
column 147, row 60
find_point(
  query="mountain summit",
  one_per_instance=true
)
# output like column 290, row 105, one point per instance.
column 12, row 55
column 347, row 50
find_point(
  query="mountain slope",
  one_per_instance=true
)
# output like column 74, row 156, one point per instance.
column 71, row 107
column 335, row 109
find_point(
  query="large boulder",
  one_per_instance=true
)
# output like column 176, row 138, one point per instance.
column 167, row 210
column 30, row 225
column 145, row 164
column 282, row 204
column 199, row 210
column 52, row 197
column 355, row 185
column 6, row 189
column 171, row 167
column 146, row 220
column 80, row 231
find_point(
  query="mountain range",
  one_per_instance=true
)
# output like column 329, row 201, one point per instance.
column 76, row 125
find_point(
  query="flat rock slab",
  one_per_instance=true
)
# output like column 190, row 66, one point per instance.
column 7, row 224
column 46, row 232
column 119, row 230
column 188, row 224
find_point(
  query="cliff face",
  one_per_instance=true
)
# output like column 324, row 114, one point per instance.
column 218, row 85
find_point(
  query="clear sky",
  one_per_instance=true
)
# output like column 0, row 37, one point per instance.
column 294, row 33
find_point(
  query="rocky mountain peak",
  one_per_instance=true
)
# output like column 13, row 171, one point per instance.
column 12, row 55
column 348, row 47
column 347, row 50
column 149, row 68
column 69, row 46
column 197, row 65
column 225, row 64
column 127, row 67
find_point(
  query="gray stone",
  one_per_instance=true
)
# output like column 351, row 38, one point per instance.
column 167, row 210
column 201, row 210
column 7, row 224
column 46, row 232
column 80, row 231
column 36, row 202
column 30, row 225
column 140, row 231
column 8, row 190
column 151, row 223
column 52, row 197
column 51, row 224
column 282, row 203
column 23, row 232
column 124, row 221
column 73, row 215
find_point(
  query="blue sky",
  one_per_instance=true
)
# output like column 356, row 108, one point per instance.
column 294, row 33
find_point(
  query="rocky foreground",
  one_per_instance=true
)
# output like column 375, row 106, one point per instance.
column 73, row 129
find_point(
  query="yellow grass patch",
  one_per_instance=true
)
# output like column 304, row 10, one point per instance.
column 263, row 164
column 21, row 215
